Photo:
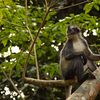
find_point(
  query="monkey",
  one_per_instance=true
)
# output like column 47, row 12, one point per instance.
column 76, row 58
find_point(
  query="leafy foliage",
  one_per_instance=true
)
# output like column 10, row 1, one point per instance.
column 14, row 34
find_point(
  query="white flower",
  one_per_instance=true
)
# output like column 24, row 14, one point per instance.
column 15, row 49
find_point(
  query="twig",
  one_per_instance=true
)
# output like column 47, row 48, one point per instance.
column 12, row 83
column 46, row 3
column 35, row 38
column 35, row 54
column 70, row 6
column 36, row 62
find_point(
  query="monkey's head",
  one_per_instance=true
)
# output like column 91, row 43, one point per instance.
column 73, row 30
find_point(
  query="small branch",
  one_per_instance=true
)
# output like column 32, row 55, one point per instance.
column 36, row 62
column 12, row 83
column 46, row 3
column 70, row 6
column 35, row 38
column 26, row 11
column 35, row 54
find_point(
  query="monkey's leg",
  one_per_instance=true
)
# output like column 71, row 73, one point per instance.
column 91, row 65
column 79, row 71
column 68, row 91
column 88, row 73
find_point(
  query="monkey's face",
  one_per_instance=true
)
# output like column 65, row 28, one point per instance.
column 72, row 30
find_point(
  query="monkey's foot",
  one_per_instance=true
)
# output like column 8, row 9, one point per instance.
column 87, row 76
column 90, row 76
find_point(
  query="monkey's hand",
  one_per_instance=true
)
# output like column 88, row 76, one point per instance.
column 83, row 58
column 71, row 55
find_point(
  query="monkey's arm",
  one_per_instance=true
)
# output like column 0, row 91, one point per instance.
column 69, row 54
column 89, row 54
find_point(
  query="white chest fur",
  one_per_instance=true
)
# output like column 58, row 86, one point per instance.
column 78, row 45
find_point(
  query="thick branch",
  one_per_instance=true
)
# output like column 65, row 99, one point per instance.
column 88, row 90
column 51, row 83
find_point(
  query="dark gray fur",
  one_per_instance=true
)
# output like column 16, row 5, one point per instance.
column 73, row 62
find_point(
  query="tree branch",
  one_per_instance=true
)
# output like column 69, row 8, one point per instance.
column 36, row 63
column 29, row 31
column 35, row 38
column 51, row 83
column 12, row 83
column 88, row 90
column 70, row 6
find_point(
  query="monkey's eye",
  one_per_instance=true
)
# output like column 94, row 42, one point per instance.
column 76, row 30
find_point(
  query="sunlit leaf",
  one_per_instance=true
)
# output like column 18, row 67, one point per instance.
column 96, row 7
column 4, row 41
column 88, row 7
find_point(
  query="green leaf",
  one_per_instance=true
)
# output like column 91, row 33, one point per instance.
column 1, row 16
column 52, row 69
column 96, row 1
column 96, row 7
column 88, row 7
column 4, row 42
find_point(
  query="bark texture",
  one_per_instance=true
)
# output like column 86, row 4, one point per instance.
column 88, row 90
